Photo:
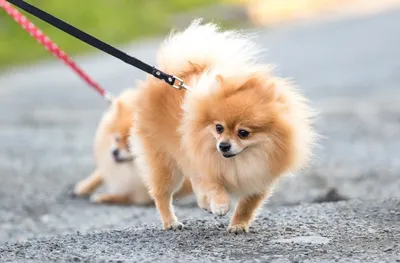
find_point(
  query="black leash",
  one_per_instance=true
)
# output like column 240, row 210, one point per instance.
column 94, row 42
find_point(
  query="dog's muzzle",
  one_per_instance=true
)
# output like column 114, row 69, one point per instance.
column 121, row 156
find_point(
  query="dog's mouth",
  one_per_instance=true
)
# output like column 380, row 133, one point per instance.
column 229, row 155
column 119, row 159
column 122, row 156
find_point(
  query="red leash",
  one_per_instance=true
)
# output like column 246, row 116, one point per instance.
column 52, row 47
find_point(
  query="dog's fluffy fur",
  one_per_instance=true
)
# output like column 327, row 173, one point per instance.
column 266, row 125
column 115, row 166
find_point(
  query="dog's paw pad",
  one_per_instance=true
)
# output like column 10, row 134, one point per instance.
column 238, row 229
column 174, row 226
column 219, row 209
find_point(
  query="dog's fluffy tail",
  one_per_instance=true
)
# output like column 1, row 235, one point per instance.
column 205, row 46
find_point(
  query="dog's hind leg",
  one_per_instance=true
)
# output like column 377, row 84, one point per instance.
column 244, row 213
column 164, row 180
column 89, row 185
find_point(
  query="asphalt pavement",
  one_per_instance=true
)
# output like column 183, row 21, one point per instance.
column 345, row 208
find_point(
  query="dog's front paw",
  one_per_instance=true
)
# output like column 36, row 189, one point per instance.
column 175, row 225
column 203, row 202
column 80, row 189
column 238, row 229
column 220, row 204
column 219, row 209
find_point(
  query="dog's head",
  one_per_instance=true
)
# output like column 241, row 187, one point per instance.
column 120, row 119
column 234, row 116
column 120, row 150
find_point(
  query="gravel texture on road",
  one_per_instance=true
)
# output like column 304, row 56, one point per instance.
column 351, row 231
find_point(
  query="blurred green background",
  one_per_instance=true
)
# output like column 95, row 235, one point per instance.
column 123, row 21
column 113, row 21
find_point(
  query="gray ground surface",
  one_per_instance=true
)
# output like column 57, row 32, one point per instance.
column 311, row 233
column 350, row 71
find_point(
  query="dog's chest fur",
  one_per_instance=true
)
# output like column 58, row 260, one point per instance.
column 246, row 175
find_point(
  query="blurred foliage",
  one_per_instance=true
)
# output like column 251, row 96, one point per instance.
column 113, row 21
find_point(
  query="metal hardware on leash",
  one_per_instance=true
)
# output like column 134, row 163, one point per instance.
column 169, row 79
column 94, row 42
column 53, row 48
column 181, row 84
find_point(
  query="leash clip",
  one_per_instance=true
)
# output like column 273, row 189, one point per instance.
column 180, row 85
column 171, row 80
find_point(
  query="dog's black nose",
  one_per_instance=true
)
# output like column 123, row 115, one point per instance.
column 115, row 153
column 224, row 146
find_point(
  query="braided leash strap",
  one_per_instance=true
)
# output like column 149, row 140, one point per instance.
column 52, row 47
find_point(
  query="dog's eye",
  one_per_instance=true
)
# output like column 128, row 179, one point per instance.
column 243, row 134
column 219, row 128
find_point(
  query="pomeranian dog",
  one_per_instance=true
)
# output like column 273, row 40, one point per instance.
column 234, row 132
column 115, row 166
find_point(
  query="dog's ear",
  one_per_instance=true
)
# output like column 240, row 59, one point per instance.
column 208, row 83
column 270, row 85
column 117, row 107
column 274, row 87
column 219, row 79
column 120, row 106
column 217, row 82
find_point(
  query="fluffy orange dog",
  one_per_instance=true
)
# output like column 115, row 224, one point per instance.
column 116, row 169
column 235, row 132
